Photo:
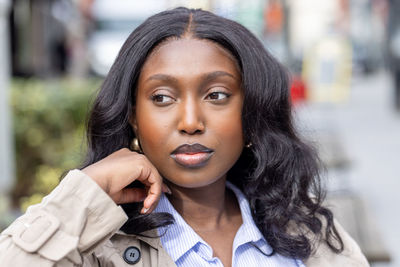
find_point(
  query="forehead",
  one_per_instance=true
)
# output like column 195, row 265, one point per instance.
column 188, row 56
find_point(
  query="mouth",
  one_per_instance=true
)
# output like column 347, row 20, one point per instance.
column 192, row 155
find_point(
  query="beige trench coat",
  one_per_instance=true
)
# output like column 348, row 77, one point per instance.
column 77, row 225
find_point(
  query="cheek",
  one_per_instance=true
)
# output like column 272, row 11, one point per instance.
column 228, row 128
column 152, row 126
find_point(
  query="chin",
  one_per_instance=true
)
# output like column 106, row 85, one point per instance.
column 193, row 181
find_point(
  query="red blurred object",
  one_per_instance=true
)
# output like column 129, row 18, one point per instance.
column 297, row 90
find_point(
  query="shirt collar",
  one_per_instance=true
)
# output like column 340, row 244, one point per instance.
column 248, row 231
column 178, row 238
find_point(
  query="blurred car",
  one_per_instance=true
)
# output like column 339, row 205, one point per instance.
column 113, row 21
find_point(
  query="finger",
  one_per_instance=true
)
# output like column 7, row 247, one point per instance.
column 153, row 196
column 150, row 203
column 152, row 180
column 149, row 176
column 166, row 189
column 129, row 195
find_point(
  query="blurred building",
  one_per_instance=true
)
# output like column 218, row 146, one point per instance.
column 45, row 35
column 6, row 140
column 393, row 48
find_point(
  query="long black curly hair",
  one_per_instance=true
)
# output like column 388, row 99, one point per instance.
column 279, row 174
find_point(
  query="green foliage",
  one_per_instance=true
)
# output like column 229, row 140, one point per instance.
column 49, row 123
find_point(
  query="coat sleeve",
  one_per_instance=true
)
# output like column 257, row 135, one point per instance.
column 350, row 256
column 63, row 230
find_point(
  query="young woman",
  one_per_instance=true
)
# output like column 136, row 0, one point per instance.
column 205, row 112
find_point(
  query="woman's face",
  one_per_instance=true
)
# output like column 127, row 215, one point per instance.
column 188, row 111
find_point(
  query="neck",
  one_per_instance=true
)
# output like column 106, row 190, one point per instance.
column 204, row 208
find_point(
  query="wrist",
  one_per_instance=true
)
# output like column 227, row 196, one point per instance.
column 98, row 178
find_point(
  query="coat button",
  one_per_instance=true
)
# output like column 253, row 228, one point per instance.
column 132, row 255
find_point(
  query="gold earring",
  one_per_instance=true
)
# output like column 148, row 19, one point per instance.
column 135, row 145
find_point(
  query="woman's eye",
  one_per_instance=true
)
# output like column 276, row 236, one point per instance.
column 217, row 96
column 162, row 99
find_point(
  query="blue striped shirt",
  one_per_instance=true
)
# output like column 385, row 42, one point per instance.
column 187, row 248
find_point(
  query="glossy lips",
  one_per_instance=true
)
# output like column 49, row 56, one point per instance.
column 192, row 155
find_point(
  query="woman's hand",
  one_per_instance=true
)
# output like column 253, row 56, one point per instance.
column 121, row 168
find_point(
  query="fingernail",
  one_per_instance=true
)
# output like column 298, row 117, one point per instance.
column 145, row 210
column 168, row 190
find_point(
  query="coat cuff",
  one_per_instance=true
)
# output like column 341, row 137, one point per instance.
column 98, row 215
column 77, row 214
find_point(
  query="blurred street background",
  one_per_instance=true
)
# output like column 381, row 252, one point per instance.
column 344, row 60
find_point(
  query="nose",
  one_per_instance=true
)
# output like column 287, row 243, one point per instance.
column 191, row 119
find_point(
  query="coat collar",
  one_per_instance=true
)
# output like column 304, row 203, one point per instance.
column 150, row 237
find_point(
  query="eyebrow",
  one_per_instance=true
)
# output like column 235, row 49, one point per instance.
column 162, row 77
column 213, row 75
column 206, row 77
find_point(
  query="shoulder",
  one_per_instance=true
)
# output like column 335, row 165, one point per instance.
column 350, row 256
